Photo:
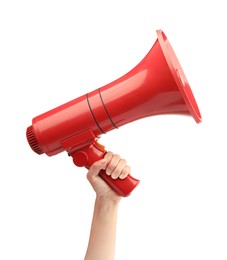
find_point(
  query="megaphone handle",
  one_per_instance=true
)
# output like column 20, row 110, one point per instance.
column 87, row 155
column 123, row 187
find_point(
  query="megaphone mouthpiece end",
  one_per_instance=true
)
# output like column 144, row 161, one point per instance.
column 33, row 141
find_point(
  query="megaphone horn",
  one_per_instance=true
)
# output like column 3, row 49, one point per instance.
column 157, row 85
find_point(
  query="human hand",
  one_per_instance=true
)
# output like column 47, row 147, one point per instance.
column 114, row 166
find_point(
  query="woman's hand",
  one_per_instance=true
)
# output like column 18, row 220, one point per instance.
column 114, row 166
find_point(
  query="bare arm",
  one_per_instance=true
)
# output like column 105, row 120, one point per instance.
column 102, row 238
column 103, row 231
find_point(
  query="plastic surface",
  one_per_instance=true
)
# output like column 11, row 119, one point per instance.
column 156, row 86
column 179, row 76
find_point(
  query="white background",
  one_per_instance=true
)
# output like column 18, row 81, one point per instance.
column 54, row 51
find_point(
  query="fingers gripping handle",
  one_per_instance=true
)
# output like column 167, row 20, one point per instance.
column 123, row 187
column 94, row 152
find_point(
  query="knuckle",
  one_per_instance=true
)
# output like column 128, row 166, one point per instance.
column 114, row 175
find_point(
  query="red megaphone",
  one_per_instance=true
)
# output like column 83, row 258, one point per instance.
column 157, row 85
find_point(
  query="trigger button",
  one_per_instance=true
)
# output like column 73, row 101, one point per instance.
column 80, row 158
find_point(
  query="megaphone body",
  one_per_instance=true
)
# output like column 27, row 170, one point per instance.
column 157, row 85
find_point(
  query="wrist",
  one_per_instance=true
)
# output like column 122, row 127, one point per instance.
column 106, row 201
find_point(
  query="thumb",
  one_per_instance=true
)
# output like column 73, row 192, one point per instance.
column 97, row 167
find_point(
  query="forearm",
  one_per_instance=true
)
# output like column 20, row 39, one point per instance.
column 101, row 243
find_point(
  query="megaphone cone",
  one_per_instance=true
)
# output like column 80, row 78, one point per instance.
column 157, row 85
